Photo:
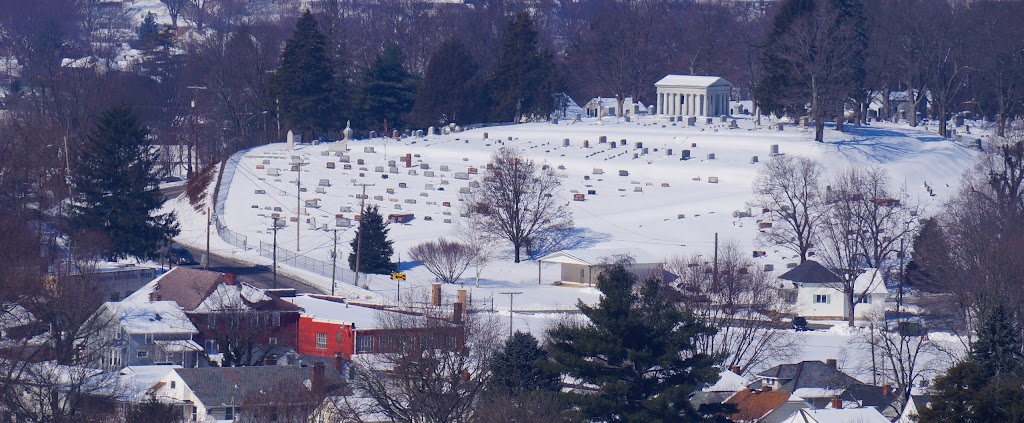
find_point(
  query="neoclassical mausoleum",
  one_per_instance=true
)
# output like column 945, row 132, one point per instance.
column 691, row 95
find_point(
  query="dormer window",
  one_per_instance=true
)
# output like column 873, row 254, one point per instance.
column 149, row 338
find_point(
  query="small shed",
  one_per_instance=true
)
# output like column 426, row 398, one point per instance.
column 583, row 266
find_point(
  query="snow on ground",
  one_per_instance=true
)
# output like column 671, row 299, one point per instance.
column 664, row 205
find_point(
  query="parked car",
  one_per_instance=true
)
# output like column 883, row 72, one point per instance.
column 800, row 324
column 181, row 256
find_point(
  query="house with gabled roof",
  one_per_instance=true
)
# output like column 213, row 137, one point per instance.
column 137, row 334
column 232, row 393
column 764, row 405
column 817, row 292
column 822, row 384
column 837, row 415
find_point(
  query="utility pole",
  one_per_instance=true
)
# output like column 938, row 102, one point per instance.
column 278, row 102
column 209, row 219
column 716, row 259
column 195, row 126
column 511, row 295
column 298, row 204
column 334, row 260
column 359, row 232
column 275, row 252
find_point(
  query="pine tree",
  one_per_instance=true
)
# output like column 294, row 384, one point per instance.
column 638, row 349
column 997, row 349
column 376, row 249
column 447, row 91
column 388, row 90
column 304, row 82
column 116, row 183
column 987, row 387
column 525, row 80
column 522, row 366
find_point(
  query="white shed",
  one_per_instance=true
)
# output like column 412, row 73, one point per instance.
column 583, row 266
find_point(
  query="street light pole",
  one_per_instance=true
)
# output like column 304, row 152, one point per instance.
column 275, row 252
column 334, row 260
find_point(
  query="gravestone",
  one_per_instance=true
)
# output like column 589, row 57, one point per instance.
column 602, row 139
column 781, row 126
column 733, row 124
column 586, row 143
column 723, row 118
column 685, row 155
column 565, row 142
column 293, row 139
column 431, row 131
column 639, row 145
column 622, row 142
column 712, row 179
column 753, row 160
column 668, row 152
column 775, row 149
column 691, row 121
column 373, row 134
column 711, row 156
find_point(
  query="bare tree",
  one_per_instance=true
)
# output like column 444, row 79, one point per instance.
column 791, row 188
column 860, row 226
column 434, row 369
column 742, row 302
column 901, row 353
column 174, row 8
column 237, row 324
column 447, row 260
column 517, row 200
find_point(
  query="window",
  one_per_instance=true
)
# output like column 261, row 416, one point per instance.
column 822, row 299
column 195, row 411
column 229, row 413
column 277, row 319
column 149, row 339
column 364, row 344
column 211, row 346
column 142, row 354
column 321, row 341
column 864, row 299
column 272, row 341
column 211, row 320
column 172, row 384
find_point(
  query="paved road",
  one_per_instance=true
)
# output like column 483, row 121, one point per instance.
column 261, row 276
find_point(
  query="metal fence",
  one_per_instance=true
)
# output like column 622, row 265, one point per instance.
column 231, row 237
column 320, row 267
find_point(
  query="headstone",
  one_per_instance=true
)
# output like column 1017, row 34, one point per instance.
column 691, row 121
column 711, row 156
column 293, row 139
column 485, row 136
column 431, row 131
column 579, row 117
column 461, row 175
column 639, row 145
column 733, row 124
column 753, row 160
column 775, row 149
column 958, row 119
column 554, row 121
column 623, row 173
column 628, row 119
column 645, row 151
column 429, row 174
column 622, row 143
column 598, row 171
column 565, row 142
column 781, row 126
column 803, row 122
column 602, row 139
column 325, row 182
column 347, row 132
column 708, row 121
column 723, row 118
column 685, row 155
column 424, row 166
column 712, row 179
column 394, row 134
column 373, row 134
column 612, row 145
column 671, row 119
column 668, row 152
column 368, row 149
column 586, row 143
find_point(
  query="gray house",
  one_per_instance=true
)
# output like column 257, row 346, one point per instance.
column 138, row 334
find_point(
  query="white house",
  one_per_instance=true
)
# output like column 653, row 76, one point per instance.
column 136, row 333
column 817, row 292
column 692, row 95
column 583, row 266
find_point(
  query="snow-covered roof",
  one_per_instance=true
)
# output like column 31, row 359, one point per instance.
column 335, row 309
column 872, row 281
column 690, row 81
column 728, row 382
column 842, row 415
column 151, row 317
column 180, row 345
column 594, row 256
column 232, row 297
column 134, row 381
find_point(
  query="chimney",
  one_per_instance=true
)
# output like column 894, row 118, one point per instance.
column 270, row 360
column 317, row 377
column 461, row 299
column 457, row 313
column 766, row 388
column 435, row 294
column 837, row 403
column 831, row 363
column 340, row 363
column 230, row 277
column 737, row 370
column 886, row 389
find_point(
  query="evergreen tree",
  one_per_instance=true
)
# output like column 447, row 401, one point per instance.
column 525, row 80
column 388, row 90
column 638, row 349
column 116, row 188
column 998, row 349
column 376, row 249
column 522, row 366
column 304, row 82
column 448, row 88
column 987, row 387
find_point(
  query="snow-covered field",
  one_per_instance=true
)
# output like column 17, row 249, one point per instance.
column 665, row 206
